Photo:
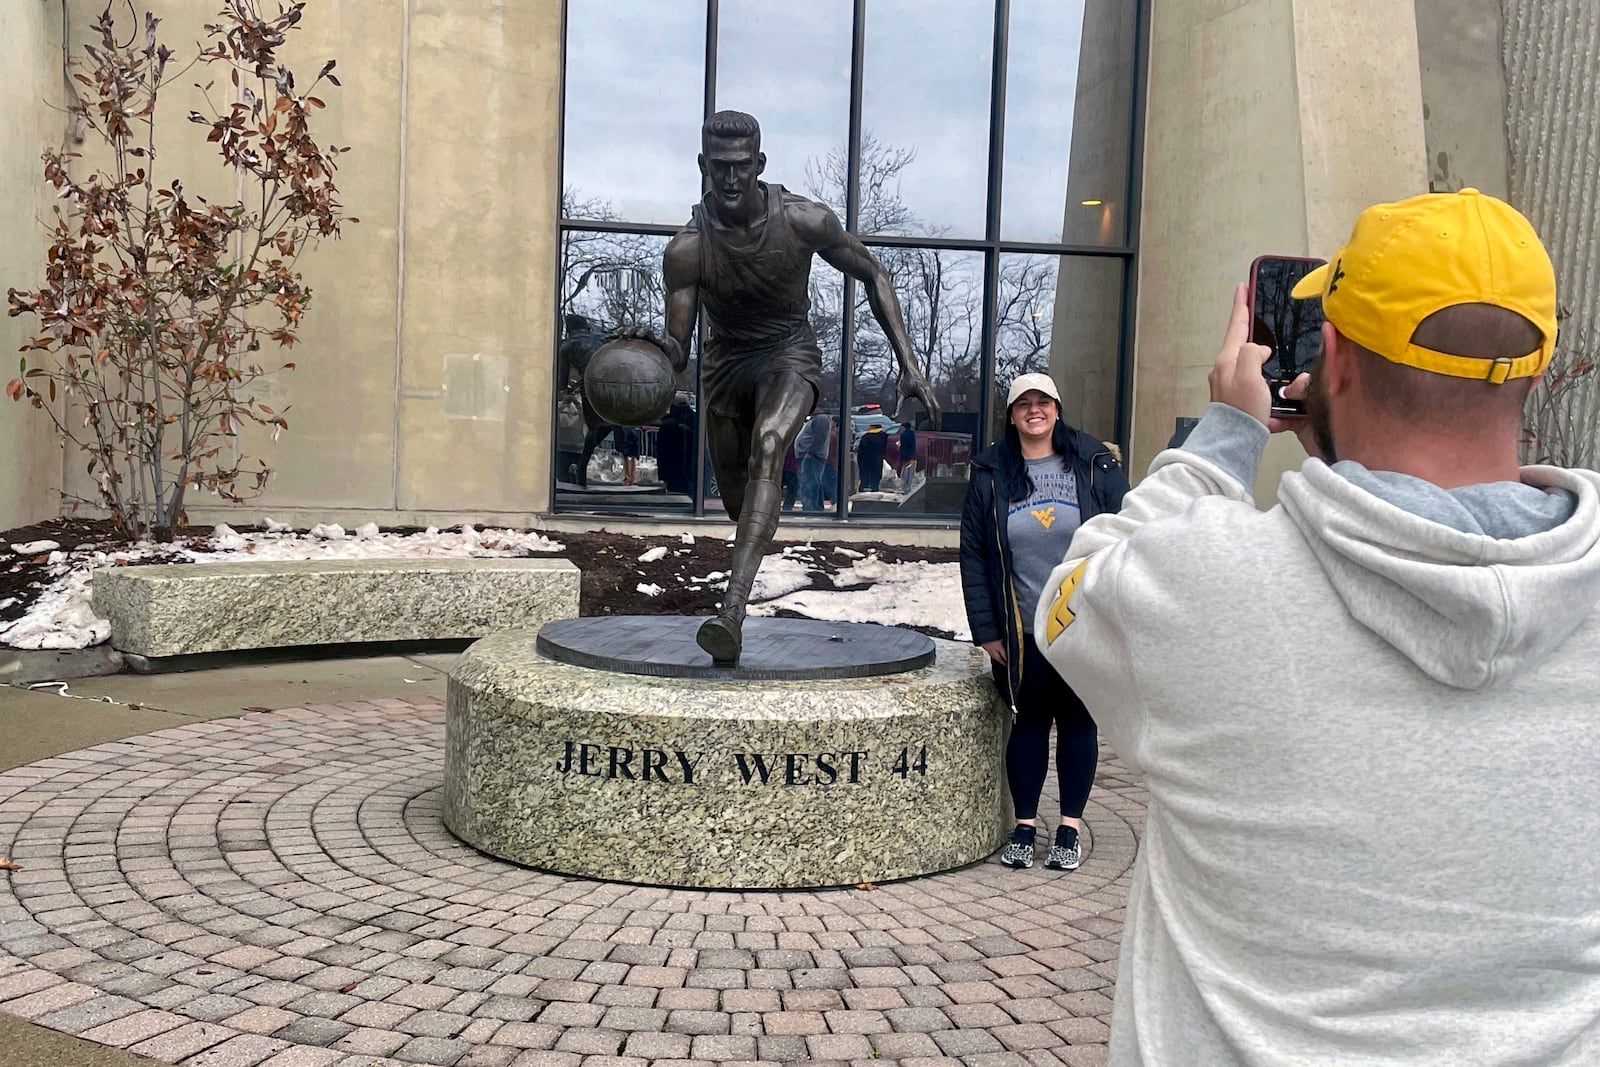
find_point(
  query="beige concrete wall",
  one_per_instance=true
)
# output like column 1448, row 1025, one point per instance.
column 1086, row 329
column 30, row 464
column 1463, row 94
column 478, row 303
column 422, row 384
column 1270, row 124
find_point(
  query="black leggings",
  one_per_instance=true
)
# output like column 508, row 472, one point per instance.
column 1044, row 698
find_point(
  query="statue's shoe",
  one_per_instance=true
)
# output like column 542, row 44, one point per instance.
column 721, row 635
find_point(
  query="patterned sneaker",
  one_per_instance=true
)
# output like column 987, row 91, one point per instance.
column 1019, row 850
column 1064, row 854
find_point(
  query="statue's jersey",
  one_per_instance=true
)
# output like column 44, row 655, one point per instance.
column 756, row 301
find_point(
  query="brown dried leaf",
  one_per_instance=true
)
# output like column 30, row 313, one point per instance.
column 866, row 886
column 9, row 865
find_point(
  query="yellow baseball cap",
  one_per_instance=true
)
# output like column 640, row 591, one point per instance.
column 1406, row 260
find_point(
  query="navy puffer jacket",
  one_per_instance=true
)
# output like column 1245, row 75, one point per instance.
column 1000, row 476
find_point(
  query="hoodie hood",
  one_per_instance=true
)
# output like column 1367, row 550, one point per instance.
column 1470, row 610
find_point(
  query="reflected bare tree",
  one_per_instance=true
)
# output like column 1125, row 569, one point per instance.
column 613, row 279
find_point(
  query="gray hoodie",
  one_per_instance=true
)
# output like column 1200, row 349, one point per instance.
column 1370, row 729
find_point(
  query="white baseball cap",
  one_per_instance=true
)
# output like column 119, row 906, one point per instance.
column 1041, row 382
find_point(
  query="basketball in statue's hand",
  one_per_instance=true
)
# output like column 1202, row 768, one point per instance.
column 629, row 382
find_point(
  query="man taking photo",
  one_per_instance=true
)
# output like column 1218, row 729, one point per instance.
column 1369, row 717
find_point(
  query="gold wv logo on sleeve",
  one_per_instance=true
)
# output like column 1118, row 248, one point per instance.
column 1061, row 616
column 1046, row 516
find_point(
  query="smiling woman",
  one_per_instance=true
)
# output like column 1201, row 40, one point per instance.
column 960, row 140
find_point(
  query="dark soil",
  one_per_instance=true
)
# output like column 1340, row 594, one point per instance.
column 610, row 564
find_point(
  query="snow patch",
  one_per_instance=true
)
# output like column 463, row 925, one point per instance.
column 903, row 594
column 34, row 548
column 649, row 589
column 653, row 554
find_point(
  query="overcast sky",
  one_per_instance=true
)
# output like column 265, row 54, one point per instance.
column 635, row 90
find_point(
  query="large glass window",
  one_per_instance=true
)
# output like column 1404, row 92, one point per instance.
column 982, row 152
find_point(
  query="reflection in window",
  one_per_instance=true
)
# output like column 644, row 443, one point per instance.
column 612, row 280
column 941, row 297
column 925, row 102
column 788, row 65
column 1061, row 316
column 634, row 89
column 1069, row 99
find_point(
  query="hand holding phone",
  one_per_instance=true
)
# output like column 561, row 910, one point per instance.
column 1290, row 328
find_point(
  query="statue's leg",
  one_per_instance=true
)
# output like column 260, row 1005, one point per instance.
column 782, row 408
column 728, row 442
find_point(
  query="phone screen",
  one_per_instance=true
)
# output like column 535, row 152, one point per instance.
column 1291, row 328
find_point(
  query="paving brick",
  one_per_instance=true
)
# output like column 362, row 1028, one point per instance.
column 131, row 1029
column 591, row 1041
column 632, row 1019
column 964, row 1043
column 892, row 1046
column 795, row 1022
column 838, row 1047
column 444, row 1052
column 370, row 1042
column 1020, row 1036
column 917, row 1020
column 187, row 1040
column 566, row 1013
column 313, row 1031
column 812, row 1000
column 245, row 1050
column 542, row 1058
column 433, row 1024
column 782, row 1048
column 699, row 1022
column 689, row 999
column 723, row 1047
column 1081, row 1031
column 87, row 1014
column 658, row 1046
column 1085, row 1056
column 877, row 998
column 857, row 1022
column 973, row 1016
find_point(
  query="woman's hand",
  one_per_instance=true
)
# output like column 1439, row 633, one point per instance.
column 996, row 650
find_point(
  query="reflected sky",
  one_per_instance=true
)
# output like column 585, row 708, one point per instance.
column 634, row 96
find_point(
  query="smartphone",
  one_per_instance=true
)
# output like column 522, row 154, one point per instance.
column 1291, row 328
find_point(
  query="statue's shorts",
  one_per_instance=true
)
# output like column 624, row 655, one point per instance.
column 737, row 382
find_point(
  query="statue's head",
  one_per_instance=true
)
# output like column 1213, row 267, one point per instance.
column 731, row 158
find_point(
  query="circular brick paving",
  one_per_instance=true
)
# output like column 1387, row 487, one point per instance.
column 279, row 888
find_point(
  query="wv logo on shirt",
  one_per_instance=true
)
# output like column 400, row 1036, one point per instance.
column 1046, row 516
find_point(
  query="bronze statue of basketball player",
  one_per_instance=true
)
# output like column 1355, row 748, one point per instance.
column 744, row 261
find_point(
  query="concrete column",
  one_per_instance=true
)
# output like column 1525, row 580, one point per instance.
column 1270, row 124
column 30, row 99
column 1551, row 50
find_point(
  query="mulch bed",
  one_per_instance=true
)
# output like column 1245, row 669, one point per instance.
column 609, row 562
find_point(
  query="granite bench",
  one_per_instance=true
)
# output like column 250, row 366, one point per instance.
column 184, row 609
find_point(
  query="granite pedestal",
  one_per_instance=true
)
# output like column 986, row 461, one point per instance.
column 183, row 609
column 735, row 783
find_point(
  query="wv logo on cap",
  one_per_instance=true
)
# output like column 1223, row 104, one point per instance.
column 1338, row 273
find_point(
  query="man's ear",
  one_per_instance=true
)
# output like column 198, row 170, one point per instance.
column 1338, row 361
column 701, row 159
column 761, row 162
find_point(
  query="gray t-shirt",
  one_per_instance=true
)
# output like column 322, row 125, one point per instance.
column 1040, row 529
